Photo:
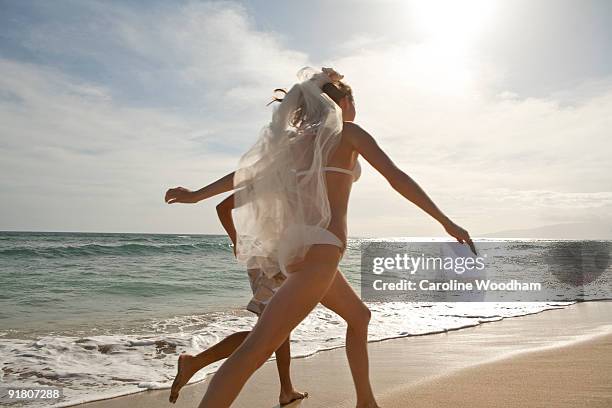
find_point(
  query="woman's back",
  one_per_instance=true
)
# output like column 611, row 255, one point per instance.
column 339, row 184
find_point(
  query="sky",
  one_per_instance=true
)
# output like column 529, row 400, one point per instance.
column 499, row 109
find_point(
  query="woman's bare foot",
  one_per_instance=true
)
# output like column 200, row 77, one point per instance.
column 184, row 372
column 289, row 397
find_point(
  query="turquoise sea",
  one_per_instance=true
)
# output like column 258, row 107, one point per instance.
column 107, row 314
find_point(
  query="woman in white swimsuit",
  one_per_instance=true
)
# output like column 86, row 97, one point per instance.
column 313, row 236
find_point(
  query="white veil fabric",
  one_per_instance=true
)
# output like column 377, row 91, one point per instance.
column 281, row 199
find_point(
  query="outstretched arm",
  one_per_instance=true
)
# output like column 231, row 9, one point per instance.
column 183, row 195
column 365, row 144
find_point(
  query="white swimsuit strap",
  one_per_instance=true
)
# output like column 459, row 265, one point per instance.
column 329, row 168
column 356, row 172
column 338, row 169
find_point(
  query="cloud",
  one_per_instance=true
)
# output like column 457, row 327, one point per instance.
column 70, row 152
column 127, row 102
column 90, row 155
column 490, row 160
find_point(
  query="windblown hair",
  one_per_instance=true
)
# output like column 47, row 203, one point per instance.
column 335, row 91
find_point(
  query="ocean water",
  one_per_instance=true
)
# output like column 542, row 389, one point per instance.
column 107, row 314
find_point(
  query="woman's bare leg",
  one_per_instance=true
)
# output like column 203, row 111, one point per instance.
column 342, row 299
column 188, row 365
column 283, row 361
column 295, row 299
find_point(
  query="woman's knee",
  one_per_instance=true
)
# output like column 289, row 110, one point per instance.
column 366, row 315
column 361, row 319
column 368, row 312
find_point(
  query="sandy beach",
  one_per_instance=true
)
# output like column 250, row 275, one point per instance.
column 556, row 358
column 578, row 375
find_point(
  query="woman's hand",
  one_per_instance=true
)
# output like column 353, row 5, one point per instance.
column 180, row 195
column 459, row 234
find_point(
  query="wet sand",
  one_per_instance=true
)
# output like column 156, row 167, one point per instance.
column 578, row 375
column 564, row 354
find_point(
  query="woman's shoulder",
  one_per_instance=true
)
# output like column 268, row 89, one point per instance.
column 353, row 132
column 352, row 127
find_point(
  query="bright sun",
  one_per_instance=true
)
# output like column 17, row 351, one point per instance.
column 450, row 29
column 454, row 21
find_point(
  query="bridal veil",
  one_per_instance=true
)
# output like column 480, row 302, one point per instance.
column 280, row 194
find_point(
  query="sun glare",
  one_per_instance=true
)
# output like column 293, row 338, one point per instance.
column 453, row 21
column 449, row 30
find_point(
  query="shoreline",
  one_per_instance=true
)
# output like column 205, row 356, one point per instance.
column 203, row 376
column 317, row 351
column 480, row 344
